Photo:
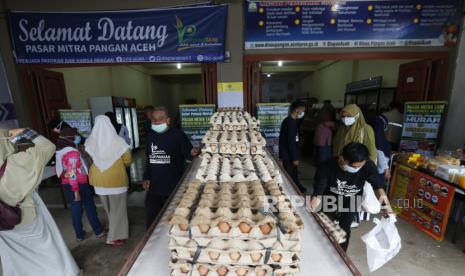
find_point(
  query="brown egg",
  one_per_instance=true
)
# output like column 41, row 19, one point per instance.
column 254, row 149
column 241, row 271
column 213, row 147
column 184, row 269
column 223, row 147
column 260, row 272
column 245, row 228
column 183, row 227
column 255, row 257
column 233, row 149
column 204, row 228
column 244, row 149
column 213, row 255
column 235, row 256
column 265, row 228
column 224, row 227
column 203, row 270
column 276, row 257
column 279, row 274
column 222, row 271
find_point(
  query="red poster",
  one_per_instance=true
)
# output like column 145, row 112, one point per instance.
column 427, row 200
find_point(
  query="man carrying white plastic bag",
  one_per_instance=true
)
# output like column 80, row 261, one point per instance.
column 383, row 242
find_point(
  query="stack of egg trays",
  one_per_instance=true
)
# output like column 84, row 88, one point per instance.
column 234, row 142
column 236, row 168
column 233, row 120
column 198, row 269
column 237, row 243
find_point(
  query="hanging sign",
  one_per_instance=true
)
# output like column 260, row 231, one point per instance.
column 422, row 121
column 326, row 24
column 230, row 94
column 271, row 115
column 195, row 120
column 184, row 34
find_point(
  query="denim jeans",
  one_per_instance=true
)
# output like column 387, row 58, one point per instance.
column 323, row 153
column 87, row 201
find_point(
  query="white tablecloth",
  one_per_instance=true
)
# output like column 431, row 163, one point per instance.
column 318, row 257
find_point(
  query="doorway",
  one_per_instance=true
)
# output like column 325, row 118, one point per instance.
column 53, row 87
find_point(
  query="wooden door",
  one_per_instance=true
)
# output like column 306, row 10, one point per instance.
column 252, row 86
column 209, row 83
column 46, row 95
column 414, row 80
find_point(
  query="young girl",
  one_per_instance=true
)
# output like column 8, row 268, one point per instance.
column 72, row 172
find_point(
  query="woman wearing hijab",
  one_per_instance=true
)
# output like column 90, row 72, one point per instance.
column 354, row 129
column 111, row 155
column 323, row 138
column 72, row 171
column 119, row 128
column 379, row 123
column 35, row 245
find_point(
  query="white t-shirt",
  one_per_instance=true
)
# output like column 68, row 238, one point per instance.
column 110, row 191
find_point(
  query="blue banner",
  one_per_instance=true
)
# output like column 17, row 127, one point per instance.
column 183, row 34
column 375, row 23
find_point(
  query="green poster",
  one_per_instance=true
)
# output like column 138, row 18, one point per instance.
column 195, row 120
column 271, row 115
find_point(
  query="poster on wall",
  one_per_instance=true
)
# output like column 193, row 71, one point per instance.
column 330, row 24
column 195, row 121
column 271, row 115
column 422, row 200
column 80, row 119
column 422, row 122
column 230, row 94
column 180, row 34
column 7, row 109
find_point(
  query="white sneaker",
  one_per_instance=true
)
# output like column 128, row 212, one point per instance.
column 354, row 224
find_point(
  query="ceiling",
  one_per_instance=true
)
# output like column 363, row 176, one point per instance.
column 295, row 66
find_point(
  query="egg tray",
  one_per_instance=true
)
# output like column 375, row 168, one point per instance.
column 333, row 228
column 179, row 268
column 235, row 137
column 226, row 231
column 234, row 253
column 233, row 120
column 291, row 245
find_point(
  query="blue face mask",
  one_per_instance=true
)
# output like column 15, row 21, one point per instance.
column 160, row 128
column 77, row 140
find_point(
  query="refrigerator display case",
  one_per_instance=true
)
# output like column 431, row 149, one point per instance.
column 125, row 112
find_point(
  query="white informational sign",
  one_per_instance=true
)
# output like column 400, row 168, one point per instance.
column 230, row 94
column 80, row 119
column 7, row 109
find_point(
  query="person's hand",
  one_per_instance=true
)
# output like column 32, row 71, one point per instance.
column 295, row 163
column 77, row 196
column 314, row 202
column 387, row 174
column 12, row 133
column 146, row 185
column 195, row 151
column 387, row 211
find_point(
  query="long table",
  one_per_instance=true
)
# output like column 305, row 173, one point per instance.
column 321, row 255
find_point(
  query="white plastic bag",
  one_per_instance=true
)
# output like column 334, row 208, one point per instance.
column 370, row 203
column 382, row 242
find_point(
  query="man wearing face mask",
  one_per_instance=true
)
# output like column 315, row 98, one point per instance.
column 340, row 180
column 167, row 150
column 289, row 141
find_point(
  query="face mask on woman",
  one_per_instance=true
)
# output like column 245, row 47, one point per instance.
column 77, row 139
column 348, row 121
column 160, row 128
column 301, row 115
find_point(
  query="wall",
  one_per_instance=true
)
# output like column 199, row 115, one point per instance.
column 330, row 82
column 453, row 135
column 82, row 83
column 171, row 91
